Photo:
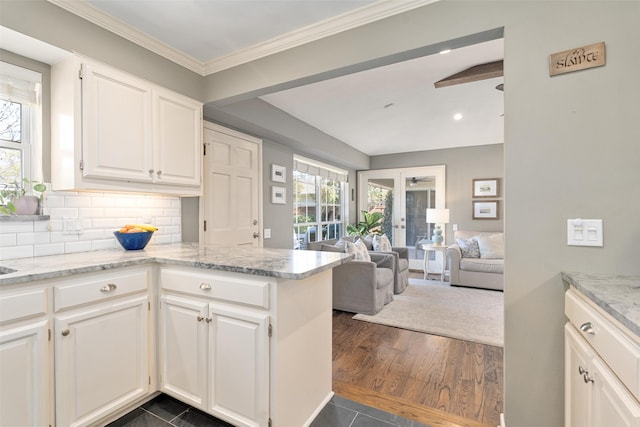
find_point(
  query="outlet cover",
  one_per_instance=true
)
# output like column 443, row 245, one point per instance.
column 584, row 232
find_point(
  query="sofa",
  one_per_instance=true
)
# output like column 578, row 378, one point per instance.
column 360, row 286
column 477, row 260
column 400, row 256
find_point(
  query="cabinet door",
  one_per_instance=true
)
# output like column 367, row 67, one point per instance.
column 183, row 349
column 612, row 404
column 178, row 139
column 239, row 343
column 101, row 360
column 577, row 356
column 24, row 369
column 116, row 125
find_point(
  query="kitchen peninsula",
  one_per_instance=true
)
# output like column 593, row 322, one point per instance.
column 243, row 334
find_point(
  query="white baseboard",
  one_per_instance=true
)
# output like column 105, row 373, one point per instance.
column 502, row 423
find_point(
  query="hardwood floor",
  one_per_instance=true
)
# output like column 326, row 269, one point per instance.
column 435, row 380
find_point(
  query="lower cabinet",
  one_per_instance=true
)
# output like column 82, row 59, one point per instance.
column 595, row 396
column 216, row 358
column 24, row 369
column 101, row 346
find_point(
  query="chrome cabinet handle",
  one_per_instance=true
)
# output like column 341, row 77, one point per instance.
column 588, row 328
column 151, row 171
column 108, row 288
column 200, row 318
column 205, row 286
column 66, row 332
column 208, row 319
column 159, row 173
column 581, row 370
column 256, row 235
column 587, row 379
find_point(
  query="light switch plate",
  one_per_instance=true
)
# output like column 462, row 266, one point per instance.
column 584, row 232
column 267, row 233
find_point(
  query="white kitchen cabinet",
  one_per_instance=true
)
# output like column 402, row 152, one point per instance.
column 114, row 131
column 601, row 369
column 24, row 359
column 213, row 355
column 101, row 345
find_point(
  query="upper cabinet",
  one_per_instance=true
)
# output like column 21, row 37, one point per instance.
column 114, row 131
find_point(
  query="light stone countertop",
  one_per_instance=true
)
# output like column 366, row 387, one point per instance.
column 280, row 263
column 619, row 296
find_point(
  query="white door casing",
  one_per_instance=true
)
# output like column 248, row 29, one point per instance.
column 232, row 196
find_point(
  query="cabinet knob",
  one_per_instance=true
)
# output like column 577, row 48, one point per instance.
column 200, row 318
column 205, row 286
column 587, row 379
column 588, row 328
column 256, row 235
column 66, row 332
column 159, row 173
column 208, row 319
column 151, row 171
column 108, row 288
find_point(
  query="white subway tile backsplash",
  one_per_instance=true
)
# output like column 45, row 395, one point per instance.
column 13, row 252
column 100, row 213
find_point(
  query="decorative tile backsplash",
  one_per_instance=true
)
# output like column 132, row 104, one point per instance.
column 98, row 215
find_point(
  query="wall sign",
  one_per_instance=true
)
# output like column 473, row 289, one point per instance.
column 579, row 58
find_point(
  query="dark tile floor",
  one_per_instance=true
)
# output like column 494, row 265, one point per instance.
column 164, row 411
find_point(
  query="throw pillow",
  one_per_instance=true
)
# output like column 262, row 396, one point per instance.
column 368, row 241
column 358, row 250
column 469, row 247
column 491, row 246
column 381, row 243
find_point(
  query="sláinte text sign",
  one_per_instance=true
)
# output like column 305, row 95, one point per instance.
column 579, row 58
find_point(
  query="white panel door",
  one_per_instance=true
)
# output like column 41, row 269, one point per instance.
column 178, row 139
column 611, row 404
column 24, row 370
column 101, row 360
column 116, row 125
column 183, row 349
column 239, row 345
column 231, row 188
column 577, row 358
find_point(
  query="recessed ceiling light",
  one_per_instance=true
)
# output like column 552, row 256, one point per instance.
column 445, row 51
column 457, row 116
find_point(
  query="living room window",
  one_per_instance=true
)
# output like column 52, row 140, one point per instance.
column 319, row 202
column 20, row 112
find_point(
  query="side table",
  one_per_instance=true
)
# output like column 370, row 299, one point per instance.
column 428, row 248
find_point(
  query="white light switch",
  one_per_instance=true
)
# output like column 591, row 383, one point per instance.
column 72, row 226
column 267, row 233
column 584, row 232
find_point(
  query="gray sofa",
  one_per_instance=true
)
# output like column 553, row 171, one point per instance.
column 470, row 266
column 400, row 256
column 360, row 286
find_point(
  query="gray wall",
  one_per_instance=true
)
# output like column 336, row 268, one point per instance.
column 279, row 218
column 463, row 165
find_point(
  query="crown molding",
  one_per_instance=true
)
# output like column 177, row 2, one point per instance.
column 346, row 21
column 93, row 14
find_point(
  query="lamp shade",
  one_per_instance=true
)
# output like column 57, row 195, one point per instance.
column 438, row 216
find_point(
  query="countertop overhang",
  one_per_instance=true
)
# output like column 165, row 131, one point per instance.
column 619, row 296
column 278, row 263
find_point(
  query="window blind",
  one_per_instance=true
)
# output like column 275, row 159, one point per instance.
column 314, row 167
column 19, row 85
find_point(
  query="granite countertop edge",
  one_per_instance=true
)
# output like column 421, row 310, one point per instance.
column 277, row 263
column 617, row 295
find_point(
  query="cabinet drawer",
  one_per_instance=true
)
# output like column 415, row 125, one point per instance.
column 99, row 287
column 607, row 339
column 22, row 305
column 226, row 287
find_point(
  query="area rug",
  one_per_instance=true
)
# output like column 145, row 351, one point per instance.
column 440, row 309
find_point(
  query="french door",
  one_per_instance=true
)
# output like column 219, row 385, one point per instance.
column 403, row 196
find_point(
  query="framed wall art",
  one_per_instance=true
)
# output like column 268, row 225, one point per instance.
column 278, row 195
column 278, row 173
column 485, row 209
column 486, row 187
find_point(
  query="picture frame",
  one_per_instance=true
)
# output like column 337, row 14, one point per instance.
column 278, row 195
column 486, row 209
column 278, row 173
column 486, row 187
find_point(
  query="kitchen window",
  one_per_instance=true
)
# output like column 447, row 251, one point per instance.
column 319, row 202
column 20, row 124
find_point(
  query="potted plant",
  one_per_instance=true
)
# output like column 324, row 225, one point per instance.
column 22, row 197
column 370, row 225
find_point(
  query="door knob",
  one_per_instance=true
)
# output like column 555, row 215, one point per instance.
column 66, row 332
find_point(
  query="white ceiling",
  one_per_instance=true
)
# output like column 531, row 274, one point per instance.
column 389, row 109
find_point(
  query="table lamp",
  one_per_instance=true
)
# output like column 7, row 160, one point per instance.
column 437, row 217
